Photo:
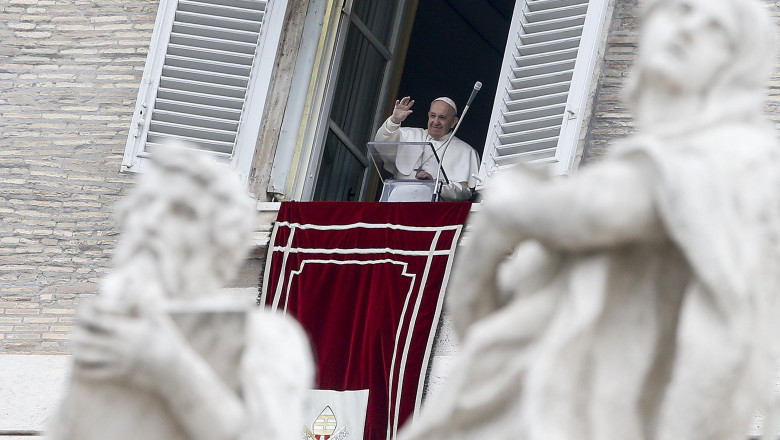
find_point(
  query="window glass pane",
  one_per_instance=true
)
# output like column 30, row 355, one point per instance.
column 378, row 16
column 340, row 173
column 357, row 90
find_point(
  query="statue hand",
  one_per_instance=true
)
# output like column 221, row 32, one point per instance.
column 505, row 192
column 115, row 341
column 475, row 291
column 402, row 110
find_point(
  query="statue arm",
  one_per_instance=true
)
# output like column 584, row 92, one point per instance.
column 202, row 403
column 115, row 341
column 144, row 348
column 475, row 293
column 608, row 204
column 277, row 372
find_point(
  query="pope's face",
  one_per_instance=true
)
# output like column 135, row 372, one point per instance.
column 686, row 42
column 440, row 119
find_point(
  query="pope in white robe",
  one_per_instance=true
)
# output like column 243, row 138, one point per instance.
column 459, row 160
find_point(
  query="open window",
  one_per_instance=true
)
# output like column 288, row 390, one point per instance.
column 434, row 48
column 452, row 45
column 535, row 59
column 365, row 53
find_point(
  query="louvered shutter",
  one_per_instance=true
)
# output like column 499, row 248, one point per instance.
column 540, row 100
column 201, row 78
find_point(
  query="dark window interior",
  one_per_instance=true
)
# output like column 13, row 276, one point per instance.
column 453, row 44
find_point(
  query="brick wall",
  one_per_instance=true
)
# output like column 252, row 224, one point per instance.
column 611, row 120
column 69, row 75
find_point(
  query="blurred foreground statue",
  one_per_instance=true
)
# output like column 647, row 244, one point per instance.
column 160, row 353
column 637, row 299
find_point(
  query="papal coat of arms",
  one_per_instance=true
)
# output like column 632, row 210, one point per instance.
column 325, row 427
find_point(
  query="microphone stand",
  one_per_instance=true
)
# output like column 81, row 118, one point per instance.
column 477, row 86
column 438, row 160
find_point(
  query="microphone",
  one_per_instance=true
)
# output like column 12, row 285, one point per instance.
column 477, row 86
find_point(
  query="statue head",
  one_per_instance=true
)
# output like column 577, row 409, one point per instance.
column 713, row 50
column 187, row 222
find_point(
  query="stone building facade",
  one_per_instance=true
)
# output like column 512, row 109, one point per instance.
column 69, row 73
column 69, row 77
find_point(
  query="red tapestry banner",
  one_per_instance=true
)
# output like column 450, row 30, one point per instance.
column 366, row 281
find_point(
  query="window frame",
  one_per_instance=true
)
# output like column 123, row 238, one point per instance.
column 308, row 182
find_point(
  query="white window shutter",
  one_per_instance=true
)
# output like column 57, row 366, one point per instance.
column 201, row 77
column 542, row 91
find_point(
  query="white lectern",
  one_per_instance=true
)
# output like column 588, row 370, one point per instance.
column 399, row 190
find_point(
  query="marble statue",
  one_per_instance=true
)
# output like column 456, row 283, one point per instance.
column 637, row 298
column 160, row 353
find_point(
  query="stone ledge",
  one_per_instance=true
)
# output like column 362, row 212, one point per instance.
column 30, row 388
